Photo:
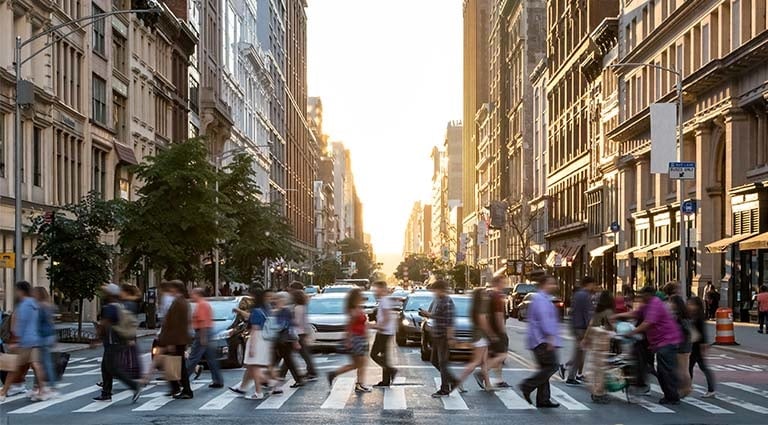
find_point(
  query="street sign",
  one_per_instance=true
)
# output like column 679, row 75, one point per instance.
column 7, row 260
column 682, row 170
column 615, row 227
column 689, row 207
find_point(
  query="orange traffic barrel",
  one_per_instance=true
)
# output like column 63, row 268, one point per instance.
column 724, row 334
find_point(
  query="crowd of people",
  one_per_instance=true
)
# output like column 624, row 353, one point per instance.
column 665, row 334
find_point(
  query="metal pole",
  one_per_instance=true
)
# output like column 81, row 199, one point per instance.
column 216, row 248
column 681, row 189
column 17, row 156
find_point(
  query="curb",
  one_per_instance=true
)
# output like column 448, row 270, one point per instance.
column 740, row 351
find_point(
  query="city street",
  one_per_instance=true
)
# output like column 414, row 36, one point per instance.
column 743, row 398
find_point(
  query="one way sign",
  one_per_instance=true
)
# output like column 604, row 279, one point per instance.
column 682, row 170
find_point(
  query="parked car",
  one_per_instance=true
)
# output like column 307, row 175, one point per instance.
column 311, row 290
column 516, row 296
column 522, row 309
column 409, row 321
column 338, row 289
column 462, row 329
column 370, row 305
column 230, row 331
column 328, row 318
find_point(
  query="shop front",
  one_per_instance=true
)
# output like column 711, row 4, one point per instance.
column 567, row 265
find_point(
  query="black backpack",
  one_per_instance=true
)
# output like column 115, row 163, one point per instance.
column 5, row 329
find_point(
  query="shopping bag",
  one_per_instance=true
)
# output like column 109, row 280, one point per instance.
column 9, row 362
column 172, row 367
column 60, row 362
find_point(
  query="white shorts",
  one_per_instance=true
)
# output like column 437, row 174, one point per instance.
column 480, row 343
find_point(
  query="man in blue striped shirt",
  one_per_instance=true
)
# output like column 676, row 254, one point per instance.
column 543, row 339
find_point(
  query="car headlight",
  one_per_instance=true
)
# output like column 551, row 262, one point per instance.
column 406, row 322
column 226, row 333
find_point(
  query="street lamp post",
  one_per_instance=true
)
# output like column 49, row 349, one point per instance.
column 680, row 184
column 25, row 92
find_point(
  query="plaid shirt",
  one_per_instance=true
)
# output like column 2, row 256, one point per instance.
column 442, row 314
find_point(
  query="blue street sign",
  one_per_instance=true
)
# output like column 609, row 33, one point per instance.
column 615, row 227
column 689, row 207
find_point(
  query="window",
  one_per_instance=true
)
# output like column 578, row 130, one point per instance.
column 736, row 24
column 2, row 145
column 119, row 121
column 125, row 189
column 99, row 105
column 37, row 157
column 99, row 172
column 98, row 32
column 119, row 52
column 705, row 44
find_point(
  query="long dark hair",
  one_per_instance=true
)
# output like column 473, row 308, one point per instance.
column 604, row 302
column 354, row 298
column 299, row 297
column 699, row 304
column 478, row 299
column 680, row 309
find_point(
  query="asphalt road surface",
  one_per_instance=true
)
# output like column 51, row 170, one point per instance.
column 742, row 388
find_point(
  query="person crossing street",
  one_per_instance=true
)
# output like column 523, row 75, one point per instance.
column 202, row 325
column 442, row 313
column 175, row 336
column 385, row 330
column 581, row 316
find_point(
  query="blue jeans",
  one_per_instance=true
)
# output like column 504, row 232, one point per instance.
column 46, row 358
column 200, row 351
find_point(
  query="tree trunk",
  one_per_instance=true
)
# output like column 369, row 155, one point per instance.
column 80, row 318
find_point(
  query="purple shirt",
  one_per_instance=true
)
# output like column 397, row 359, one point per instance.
column 542, row 321
column 663, row 329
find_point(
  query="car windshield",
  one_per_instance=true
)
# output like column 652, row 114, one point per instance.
column 415, row 303
column 310, row 290
column 326, row 306
column 369, row 298
column 222, row 310
column 524, row 288
column 336, row 289
column 462, row 306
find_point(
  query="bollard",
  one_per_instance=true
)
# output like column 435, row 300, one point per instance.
column 724, row 334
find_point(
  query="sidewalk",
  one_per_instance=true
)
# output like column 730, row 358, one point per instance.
column 750, row 342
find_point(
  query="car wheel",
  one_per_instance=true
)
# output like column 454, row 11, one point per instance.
column 401, row 339
column 240, row 354
column 426, row 350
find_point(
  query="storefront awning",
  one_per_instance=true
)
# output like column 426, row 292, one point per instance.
column 601, row 250
column 647, row 250
column 666, row 249
column 125, row 154
column 719, row 247
column 758, row 242
column 625, row 254
column 563, row 257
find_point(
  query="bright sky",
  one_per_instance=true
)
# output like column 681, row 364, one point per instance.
column 389, row 75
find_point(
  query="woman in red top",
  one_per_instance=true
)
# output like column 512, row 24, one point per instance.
column 357, row 341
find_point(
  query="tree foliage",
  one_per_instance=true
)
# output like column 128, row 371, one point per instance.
column 327, row 271
column 80, row 262
column 459, row 275
column 417, row 266
column 174, row 221
column 355, row 250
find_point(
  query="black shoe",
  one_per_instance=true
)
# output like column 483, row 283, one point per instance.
column 572, row 382
column 331, row 376
column 216, row 386
column 310, row 378
column 547, row 404
column 297, row 384
column 101, row 384
column 381, row 384
column 198, row 371
column 172, row 394
column 392, row 374
column 103, row 397
column 502, row 384
column 480, row 379
column 183, row 396
column 668, row 401
column 526, row 394
column 440, row 393
column 236, row 390
column 136, row 395
column 759, row 331
column 561, row 371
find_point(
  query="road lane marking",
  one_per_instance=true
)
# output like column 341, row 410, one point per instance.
column 220, row 401
column 340, row 393
column 695, row 402
column 566, row 400
column 25, row 395
column 161, row 401
column 512, row 400
column 36, row 407
column 642, row 402
column 276, row 401
column 747, row 388
column 100, row 405
column 453, row 401
column 394, row 397
column 735, row 401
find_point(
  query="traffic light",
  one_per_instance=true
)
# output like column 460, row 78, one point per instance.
column 152, row 15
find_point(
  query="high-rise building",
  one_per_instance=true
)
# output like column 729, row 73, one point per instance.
column 412, row 243
column 326, row 227
column 477, row 21
column 454, row 167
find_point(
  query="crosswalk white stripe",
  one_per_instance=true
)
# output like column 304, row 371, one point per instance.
column 394, row 397
column 100, row 405
column 24, row 394
column 452, row 401
column 220, row 401
column 159, row 402
column 566, row 400
column 80, row 366
column 36, row 407
column 76, row 359
column 747, row 388
column 95, row 371
column 703, row 405
column 735, row 401
column 340, row 392
column 512, row 400
column 642, row 402
column 276, row 401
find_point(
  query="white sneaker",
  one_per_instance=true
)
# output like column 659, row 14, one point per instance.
column 255, row 396
column 16, row 389
column 709, row 394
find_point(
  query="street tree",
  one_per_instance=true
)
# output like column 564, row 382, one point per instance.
column 71, row 239
column 414, row 267
column 461, row 272
column 521, row 220
column 173, row 224
column 356, row 251
column 259, row 231
column 327, row 271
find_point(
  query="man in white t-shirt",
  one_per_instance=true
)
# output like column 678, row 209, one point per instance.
column 385, row 329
